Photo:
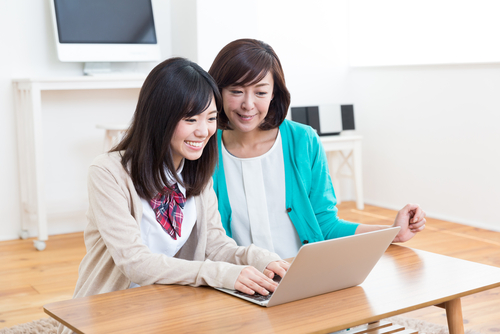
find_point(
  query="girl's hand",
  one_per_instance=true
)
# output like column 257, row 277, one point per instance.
column 251, row 281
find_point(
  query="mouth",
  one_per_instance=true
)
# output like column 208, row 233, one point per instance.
column 245, row 117
column 194, row 144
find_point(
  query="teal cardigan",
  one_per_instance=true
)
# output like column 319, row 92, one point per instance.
column 310, row 198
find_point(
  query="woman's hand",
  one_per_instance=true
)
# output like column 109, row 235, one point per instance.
column 251, row 280
column 276, row 267
column 411, row 218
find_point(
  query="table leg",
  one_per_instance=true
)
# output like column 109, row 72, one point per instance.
column 39, row 177
column 20, row 98
column 28, row 108
column 454, row 316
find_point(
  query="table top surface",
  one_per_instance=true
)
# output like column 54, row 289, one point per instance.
column 403, row 280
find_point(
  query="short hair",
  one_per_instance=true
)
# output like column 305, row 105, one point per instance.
column 245, row 62
column 175, row 89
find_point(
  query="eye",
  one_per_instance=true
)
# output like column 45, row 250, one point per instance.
column 213, row 119
column 261, row 93
column 234, row 91
column 189, row 120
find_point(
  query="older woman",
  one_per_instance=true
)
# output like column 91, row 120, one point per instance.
column 272, row 180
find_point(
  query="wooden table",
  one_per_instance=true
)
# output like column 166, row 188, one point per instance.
column 405, row 279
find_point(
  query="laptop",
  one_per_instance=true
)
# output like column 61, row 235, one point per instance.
column 326, row 266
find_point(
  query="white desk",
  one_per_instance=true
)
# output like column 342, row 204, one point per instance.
column 335, row 146
column 28, row 104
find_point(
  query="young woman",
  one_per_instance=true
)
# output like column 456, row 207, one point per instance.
column 272, row 180
column 153, row 215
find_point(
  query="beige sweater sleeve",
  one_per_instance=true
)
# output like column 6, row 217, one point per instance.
column 111, row 207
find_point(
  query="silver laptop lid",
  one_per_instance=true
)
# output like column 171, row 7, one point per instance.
column 332, row 265
column 327, row 266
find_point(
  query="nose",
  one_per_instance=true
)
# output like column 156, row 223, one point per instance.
column 201, row 130
column 248, row 102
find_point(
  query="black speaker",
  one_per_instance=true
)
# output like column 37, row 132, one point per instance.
column 299, row 114
column 347, row 117
column 326, row 119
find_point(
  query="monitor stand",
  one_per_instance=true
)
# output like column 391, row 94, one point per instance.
column 96, row 68
column 112, row 69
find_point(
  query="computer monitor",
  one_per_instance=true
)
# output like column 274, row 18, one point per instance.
column 103, row 31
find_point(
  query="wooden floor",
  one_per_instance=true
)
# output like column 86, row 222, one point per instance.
column 29, row 278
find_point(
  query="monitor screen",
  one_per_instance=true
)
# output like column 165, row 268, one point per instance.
column 105, row 30
column 105, row 21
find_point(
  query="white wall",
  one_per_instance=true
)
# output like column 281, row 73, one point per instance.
column 71, row 139
column 429, row 130
column 394, row 32
column 184, row 33
column 431, row 136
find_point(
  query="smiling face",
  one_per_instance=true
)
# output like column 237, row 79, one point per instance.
column 247, row 106
column 192, row 134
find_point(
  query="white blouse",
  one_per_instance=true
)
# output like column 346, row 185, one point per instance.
column 154, row 236
column 256, row 190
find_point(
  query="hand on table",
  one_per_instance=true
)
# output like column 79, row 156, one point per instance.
column 411, row 218
column 251, row 280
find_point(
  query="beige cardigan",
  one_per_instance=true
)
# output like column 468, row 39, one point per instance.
column 116, row 255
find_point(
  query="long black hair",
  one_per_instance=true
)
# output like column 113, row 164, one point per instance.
column 175, row 89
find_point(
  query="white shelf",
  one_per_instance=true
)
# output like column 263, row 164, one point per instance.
column 336, row 147
column 28, row 105
column 111, row 81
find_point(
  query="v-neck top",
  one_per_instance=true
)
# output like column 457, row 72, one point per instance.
column 257, row 195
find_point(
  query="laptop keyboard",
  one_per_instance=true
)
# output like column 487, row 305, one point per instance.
column 257, row 296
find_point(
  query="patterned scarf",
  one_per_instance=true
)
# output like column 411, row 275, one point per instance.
column 168, row 209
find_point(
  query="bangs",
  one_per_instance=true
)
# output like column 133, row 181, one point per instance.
column 200, row 99
column 199, row 96
column 247, row 71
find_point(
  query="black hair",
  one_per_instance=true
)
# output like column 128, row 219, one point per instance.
column 175, row 89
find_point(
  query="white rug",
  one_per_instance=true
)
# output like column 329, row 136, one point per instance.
column 42, row 326
column 49, row 326
column 423, row 327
